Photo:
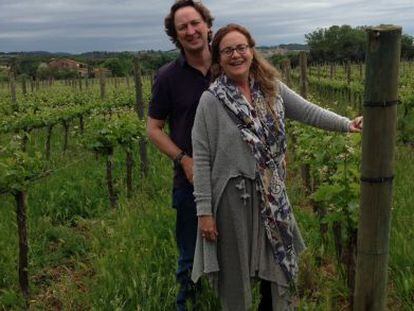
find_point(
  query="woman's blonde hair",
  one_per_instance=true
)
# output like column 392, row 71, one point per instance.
column 261, row 70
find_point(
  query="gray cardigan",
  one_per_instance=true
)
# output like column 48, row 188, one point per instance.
column 220, row 154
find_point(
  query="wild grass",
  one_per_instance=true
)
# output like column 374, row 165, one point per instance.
column 401, row 262
column 86, row 256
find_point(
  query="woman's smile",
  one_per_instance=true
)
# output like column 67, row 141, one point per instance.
column 236, row 56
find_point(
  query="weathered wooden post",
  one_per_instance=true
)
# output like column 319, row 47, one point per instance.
column 286, row 71
column 377, row 167
column 102, row 83
column 113, row 197
column 80, row 82
column 12, row 80
column 139, row 107
column 129, row 168
column 348, row 72
column 65, row 124
column 332, row 71
column 305, row 168
column 24, row 86
column 303, row 74
column 20, row 198
column 49, row 129
column 319, row 72
column 32, row 82
column 116, row 83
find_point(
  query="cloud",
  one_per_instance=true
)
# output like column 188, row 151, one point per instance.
column 117, row 25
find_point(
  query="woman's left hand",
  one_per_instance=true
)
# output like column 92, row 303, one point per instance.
column 208, row 228
column 356, row 125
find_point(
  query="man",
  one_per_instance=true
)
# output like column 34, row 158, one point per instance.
column 176, row 92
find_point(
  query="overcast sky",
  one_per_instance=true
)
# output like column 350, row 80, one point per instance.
column 123, row 25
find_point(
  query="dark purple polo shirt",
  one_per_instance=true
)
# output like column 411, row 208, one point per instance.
column 176, row 91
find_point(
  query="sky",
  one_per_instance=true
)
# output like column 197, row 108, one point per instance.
column 78, row 26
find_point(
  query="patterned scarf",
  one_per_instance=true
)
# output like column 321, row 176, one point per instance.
column 268, row 145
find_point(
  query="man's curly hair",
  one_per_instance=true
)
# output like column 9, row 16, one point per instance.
column 169, row 19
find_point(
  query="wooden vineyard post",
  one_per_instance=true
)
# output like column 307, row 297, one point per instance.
column 49, row 129
column 139, row 102
column 81, row 124
column 80, row 83
column 12, row 79
column 303, row 75
column 65, row 124
column 377, row 166
column 25, row 139
column 32, row 84
column 319, row 72
column 348, row 72
column 102, row 83
column 286, row 72
column 109, row 178
column 139, row 107
column 305, row 168
column 24, row 86
column 20, row 198
column 129, row 166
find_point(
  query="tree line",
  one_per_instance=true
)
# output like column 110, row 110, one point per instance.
column 336, row 44
column 339, row 44
column 120, row 64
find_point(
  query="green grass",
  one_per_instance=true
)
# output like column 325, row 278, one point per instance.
column 96, row 258
column 401, row 261
column 86, row 256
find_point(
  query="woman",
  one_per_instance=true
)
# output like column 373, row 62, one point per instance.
column 246, row 225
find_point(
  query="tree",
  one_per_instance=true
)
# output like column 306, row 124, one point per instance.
column 114, row 65
column 337, row 43
column 28, row 66
column 407, row 46
column 151, row 61
column 121, row 65
column 43, row 71
column 278, row 59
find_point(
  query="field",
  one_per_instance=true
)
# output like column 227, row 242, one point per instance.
column 108, row 243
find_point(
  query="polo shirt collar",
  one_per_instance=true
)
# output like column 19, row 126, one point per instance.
column 181, row 60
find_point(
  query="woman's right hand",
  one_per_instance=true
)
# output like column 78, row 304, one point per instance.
column 207, row 226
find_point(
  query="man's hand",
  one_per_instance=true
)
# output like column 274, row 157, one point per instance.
column 187, row 165
column 207, row 226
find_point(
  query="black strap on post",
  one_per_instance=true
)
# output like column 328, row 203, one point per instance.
column 377, row 180
column 382, row 104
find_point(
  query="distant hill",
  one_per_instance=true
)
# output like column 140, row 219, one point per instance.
column 294, row 47
column 37, row 53
column 107, row 54
column 289, row 47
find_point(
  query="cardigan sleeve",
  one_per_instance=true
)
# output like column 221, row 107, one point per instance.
column 201, row 157
column 299, row 109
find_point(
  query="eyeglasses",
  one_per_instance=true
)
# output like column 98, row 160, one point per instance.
column 241, row 49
